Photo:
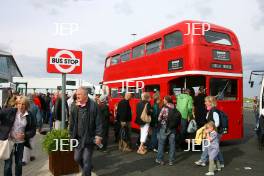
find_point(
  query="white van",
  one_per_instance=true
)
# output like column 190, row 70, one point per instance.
column 251, row 82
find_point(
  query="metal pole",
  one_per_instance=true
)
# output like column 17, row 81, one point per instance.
column 185, row 83
column 63, row 87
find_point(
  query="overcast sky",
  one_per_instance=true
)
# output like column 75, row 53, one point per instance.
column 28, row 28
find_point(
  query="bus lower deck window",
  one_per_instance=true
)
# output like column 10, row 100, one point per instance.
column 223, row 89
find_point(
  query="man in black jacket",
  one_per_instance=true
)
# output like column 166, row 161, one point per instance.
column 86, row 127
column 124, row 116
column 58, row 111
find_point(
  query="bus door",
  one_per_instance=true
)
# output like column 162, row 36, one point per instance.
column 226, row 92
column 177, row 85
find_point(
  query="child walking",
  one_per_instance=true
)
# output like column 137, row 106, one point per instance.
column 213, row 149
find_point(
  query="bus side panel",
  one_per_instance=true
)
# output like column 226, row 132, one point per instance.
column 233, row 109
column 235, row 121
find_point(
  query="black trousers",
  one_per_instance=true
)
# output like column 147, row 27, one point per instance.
column 83, row 156
column 18, row 153
column 105, row 136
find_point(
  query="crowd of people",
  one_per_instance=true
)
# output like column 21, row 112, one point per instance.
column 163, row 125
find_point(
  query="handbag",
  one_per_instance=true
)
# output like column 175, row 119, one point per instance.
column 6, row 147
column 144, row 116
column 192, row 127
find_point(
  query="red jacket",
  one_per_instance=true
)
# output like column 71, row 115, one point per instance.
column 37, row 102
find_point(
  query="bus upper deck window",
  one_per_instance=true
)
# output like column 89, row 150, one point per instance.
column 115, row 59
column 154, row 46
column 108, row 62
column 217, row 37
column 173, row 39
column 125, row 56
column 138, row 51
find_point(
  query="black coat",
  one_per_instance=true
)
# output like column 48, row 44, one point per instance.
column 124, row 113
column 57, row 110
column 92, row 125
column 7, row 120
column 200, row 110
column 139, row 110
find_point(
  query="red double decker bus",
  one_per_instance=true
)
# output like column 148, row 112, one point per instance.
column 173, row 59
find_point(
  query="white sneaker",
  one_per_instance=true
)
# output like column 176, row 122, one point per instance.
column 222, row 165
column 200, row 163
column 209, row 173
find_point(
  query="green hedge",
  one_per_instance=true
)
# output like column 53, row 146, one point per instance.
column 49, row 142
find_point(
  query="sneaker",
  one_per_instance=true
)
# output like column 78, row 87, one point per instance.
column 170, row 163
column 218, row 169
column 209, row 173
column 159, row 162
column 222, row 165
column 155, row 150
column 200, row 163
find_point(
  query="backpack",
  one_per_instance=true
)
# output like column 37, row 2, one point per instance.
column 223, row 122
column 174, row 118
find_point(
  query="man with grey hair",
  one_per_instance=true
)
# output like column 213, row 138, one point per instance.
column 86, row 127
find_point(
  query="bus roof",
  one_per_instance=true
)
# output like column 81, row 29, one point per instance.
column 158, row 34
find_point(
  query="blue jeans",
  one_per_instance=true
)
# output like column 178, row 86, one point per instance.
column 162, row 136
column 18, row 153
column 183, row 130
column 83, row 156
column 154, row 139
column 40, row 119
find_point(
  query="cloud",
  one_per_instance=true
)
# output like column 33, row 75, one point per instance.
column 259, row 21
column 5, row 47
column 123, row 7
column 32, row 66
column 94, row 55
column 93, row 63
column 53, row 6
column 252, row 62
column 203, row 8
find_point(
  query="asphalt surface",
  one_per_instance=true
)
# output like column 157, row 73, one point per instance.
column 242, row 158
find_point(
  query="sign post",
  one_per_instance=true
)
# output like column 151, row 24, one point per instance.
column 63, row 100
column 65, row 62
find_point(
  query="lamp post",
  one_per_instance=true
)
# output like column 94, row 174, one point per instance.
column 133, row 36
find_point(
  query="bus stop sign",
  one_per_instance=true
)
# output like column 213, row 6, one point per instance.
column 64, row 61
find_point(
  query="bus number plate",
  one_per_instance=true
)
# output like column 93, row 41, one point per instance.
column 222, row 66
column 175, row 64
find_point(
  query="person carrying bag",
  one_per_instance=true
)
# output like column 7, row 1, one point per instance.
column 6, row 147
column 17, row 126
column 144, row 116
column 143, row 119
